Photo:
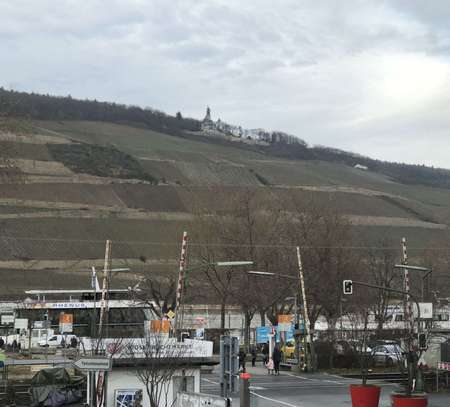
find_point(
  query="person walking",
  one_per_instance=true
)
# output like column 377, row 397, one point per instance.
column 242, row 355
column 73, row 342
column 253, row 356
column 14, row 345
column 270, row 366
column 276, row 359
column 265, row 352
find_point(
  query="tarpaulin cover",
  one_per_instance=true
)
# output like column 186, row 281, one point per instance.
column 51, row 387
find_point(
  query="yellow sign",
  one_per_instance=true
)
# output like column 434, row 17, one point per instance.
column 170, row 314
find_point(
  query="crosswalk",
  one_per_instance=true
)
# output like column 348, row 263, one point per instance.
column 292, row 390
column 260, row 382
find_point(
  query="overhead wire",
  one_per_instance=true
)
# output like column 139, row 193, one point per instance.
column 209, row 244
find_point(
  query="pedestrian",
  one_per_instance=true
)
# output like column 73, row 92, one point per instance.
column 14, row 345
column 73, row 342
column 63, row 342
column 265, row 352
column 277, row 359
column 253, row 356
column 2, row 343
column 242, row 357
column 270, row 366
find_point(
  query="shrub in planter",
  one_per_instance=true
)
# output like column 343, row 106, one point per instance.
column 413, row 400
column 365, row 395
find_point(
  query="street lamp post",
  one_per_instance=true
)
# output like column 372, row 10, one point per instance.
column 104, row 310
column 301, row 292
column 425, row 270
column 412, row 365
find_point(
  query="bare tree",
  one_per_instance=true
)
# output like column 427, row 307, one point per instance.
column 158, row 291
column 156, row 360
column 323, row 233
column 357, row 315
column 244, row 230
column 437, row 258
column 380, row 270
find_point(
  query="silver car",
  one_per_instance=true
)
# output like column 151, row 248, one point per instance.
column 387, row 355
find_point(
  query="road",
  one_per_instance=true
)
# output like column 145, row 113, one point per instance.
column 306, row 390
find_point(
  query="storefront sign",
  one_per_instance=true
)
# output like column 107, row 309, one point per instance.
column 65, row 323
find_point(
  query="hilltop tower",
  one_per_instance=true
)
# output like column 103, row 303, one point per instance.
column 207, row 123
column 208, row 114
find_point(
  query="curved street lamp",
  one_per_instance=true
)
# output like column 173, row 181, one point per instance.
column 301, row 294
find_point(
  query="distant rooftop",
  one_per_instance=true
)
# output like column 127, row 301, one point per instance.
column 87, row 291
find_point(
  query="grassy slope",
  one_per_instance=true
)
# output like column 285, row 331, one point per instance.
column 203, row 169
column 192, row 162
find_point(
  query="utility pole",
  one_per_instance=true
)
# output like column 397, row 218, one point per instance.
column 105, row 288
column 309, row 353
column 407, row 302
column 91, row 375
column 178, row 321
column 410, row 361
column 104, row 308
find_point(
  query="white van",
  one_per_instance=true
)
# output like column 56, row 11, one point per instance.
column 55, row 341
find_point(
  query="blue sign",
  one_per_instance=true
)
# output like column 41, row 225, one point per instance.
column 287, row 335
column 262, row 334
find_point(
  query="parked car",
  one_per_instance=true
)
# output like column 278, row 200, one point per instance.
column 56, row 341
column 387, row 354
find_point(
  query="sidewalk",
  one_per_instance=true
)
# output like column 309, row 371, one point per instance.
column 258, row 370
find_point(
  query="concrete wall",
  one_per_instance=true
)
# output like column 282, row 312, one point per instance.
column 126, row 379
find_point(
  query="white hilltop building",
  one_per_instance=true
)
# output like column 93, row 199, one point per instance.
column 232, row 132
column 361, row 167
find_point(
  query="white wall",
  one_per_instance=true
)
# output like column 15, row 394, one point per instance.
column 126, row 379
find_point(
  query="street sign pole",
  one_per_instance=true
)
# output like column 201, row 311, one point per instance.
column 229, row 366
column 94, row 364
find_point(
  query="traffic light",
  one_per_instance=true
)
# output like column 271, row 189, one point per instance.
column 422, row 339
column 347, row 286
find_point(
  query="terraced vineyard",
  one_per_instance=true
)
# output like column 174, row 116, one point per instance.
column 54, row 221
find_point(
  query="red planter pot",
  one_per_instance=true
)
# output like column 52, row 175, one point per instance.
column 365, row 396
column 415, row 400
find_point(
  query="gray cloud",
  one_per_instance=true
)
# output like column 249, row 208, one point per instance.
column 369, row 76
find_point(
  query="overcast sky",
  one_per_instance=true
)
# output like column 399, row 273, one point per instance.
column 372, row 77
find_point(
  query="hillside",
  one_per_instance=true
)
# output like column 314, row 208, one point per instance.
column 68, row 185
column 45, row 107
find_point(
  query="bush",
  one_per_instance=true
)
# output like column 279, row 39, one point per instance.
column 100, row 161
